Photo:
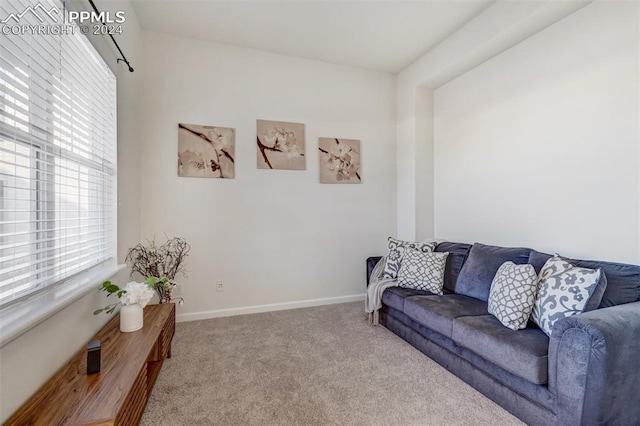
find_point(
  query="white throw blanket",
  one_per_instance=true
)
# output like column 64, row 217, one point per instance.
column 377, row 286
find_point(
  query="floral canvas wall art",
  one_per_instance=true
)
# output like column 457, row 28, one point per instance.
column 339, row 160
column 206, row 151
column 280, row 145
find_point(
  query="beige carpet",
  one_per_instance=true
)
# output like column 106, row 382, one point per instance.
column 316, row 366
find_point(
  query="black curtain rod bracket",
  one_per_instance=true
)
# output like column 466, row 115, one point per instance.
column 124, row 58
column 126, row 62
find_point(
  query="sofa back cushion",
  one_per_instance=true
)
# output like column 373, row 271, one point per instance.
column 458, row 253
column 481, row 266
column 622, row 280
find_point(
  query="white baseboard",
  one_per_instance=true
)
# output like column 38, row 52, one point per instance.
column 195, row 316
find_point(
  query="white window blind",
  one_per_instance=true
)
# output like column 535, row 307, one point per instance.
column 57, row 157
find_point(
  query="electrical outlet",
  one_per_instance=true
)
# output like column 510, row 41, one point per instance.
column 219, row 285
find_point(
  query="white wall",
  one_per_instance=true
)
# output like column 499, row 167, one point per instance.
column 29, row 361
column 540, row 145
column 272, row 236
column 500, row 26
column 424, row 155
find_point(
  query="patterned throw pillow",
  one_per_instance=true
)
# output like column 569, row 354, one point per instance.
column 422, row 270
column 513, row 293
column 396, row 251
column 563, row 291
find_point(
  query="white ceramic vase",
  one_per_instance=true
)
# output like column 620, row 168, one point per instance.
column 131, row 317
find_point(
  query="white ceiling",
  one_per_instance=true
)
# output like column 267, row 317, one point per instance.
column 378, row 35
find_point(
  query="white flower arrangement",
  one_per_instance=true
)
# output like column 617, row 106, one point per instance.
column 131, row 294
column 139, row 293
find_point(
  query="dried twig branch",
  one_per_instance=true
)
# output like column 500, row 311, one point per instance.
column 159, row 262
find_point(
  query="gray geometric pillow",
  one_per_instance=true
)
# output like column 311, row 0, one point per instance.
column 423, row 271
column 396, row 251
column 563, row 291
column 513, row 292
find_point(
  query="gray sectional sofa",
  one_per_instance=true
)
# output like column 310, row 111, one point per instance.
column 586, row 373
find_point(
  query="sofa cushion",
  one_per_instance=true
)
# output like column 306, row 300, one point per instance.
column 478, row 271
column 622, row 280
column 395, row 296
column 396, row 251
column 512, row 295
column 458, row 253
column 438, row 312
column 522, row 353
column 563, row 290
column 422, row 271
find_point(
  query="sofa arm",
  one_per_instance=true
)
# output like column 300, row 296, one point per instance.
column 371, row 263
column 594, row 366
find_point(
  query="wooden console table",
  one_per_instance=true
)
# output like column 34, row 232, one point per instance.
column 118, row 394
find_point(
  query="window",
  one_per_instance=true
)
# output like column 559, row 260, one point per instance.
column 57, row 157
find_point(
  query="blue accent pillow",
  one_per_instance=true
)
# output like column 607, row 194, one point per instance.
column 478, row 271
